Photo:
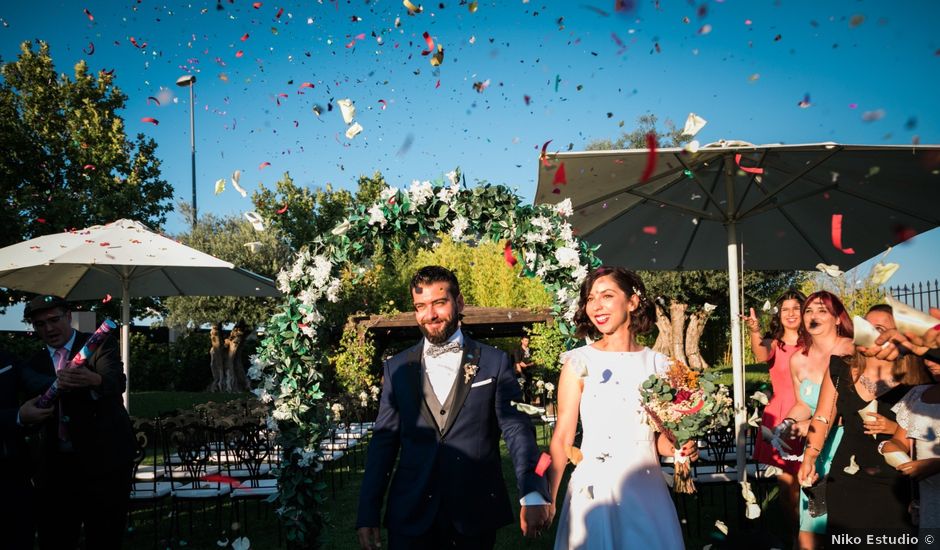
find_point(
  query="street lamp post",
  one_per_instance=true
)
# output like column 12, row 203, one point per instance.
column 189, row 81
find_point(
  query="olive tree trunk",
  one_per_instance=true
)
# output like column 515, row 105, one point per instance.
column 225, row 360
column 680, row 334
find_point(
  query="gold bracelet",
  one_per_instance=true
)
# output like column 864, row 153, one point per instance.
column 822, row 419
column 812, row 448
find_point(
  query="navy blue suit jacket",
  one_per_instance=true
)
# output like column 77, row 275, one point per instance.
column 456, row 474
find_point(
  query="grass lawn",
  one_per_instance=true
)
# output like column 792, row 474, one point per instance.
column 755, row 375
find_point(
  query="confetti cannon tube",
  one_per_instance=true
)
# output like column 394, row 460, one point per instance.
column 80, row 358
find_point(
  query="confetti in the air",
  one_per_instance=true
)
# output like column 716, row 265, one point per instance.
column 651, row 143
column 837, row 234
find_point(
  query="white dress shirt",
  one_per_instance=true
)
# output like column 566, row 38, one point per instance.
column 443, row 369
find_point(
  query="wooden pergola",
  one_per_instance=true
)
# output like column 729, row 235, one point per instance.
column 477, row 322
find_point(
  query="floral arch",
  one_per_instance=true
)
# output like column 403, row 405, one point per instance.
column 289, row 365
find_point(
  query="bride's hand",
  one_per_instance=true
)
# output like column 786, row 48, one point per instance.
column 690, row 450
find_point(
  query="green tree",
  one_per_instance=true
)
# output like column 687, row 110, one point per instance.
column 670, row 136
column 681, row 298
column 308, row 213
column 486, row 280
column 234, row 240
column 67, row 162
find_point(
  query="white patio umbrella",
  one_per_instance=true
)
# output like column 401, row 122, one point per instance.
column 793, row 205
column 126, row 259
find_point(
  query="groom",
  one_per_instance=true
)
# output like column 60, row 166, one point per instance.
column 444, row 403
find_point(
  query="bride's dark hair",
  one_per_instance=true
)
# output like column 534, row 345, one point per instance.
column 641, row 319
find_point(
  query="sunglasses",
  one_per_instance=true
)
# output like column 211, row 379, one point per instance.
column 48, row 321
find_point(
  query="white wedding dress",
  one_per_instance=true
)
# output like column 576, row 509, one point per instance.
column 617, row 497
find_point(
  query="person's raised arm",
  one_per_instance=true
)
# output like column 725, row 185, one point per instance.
column 760, row 346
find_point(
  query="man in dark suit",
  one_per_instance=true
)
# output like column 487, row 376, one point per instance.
column 444, row 403
column 88, row 445
column 522, row 359
column 17, row 505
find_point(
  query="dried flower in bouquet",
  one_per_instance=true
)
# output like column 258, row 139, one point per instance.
column 684, row 404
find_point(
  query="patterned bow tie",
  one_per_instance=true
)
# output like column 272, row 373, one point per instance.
column 437, row 351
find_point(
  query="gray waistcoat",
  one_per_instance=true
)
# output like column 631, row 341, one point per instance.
column 439, row 411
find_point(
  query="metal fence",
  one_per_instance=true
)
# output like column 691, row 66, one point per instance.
column 921, row 295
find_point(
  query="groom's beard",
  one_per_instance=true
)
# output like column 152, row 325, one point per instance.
column 439, row 337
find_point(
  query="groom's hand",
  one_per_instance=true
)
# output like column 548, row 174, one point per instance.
column 370, row 538
column 535, row 519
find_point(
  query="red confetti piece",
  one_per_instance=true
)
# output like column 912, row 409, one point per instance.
column 88, row 13
column 257, row 5
column 650, row 158
column 219, row 478
column 154, row 100
column 88, row 167
column 280, row 12
column 430, row 43
column 136, row 45
column 438, row 85
column 282, row 210
column 264, row 165
column 837, row 234
column 384, row 104
column 508, row 256
column 104, row 244
column 107, row 298
column 650, row 229
column 239, row 53
column 748, row 169
column 90, row 50
column 40, row 220
column 543, row 157
column 245, row 37
column 545, row 460
column 903, row 233
column 307, row 85
column 560, row 176
column 151, row 120
column 527, row 99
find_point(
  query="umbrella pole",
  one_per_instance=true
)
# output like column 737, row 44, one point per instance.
column 126, row 340
column 737, row 355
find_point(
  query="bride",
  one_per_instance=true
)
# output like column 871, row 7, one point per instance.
column 617, row 496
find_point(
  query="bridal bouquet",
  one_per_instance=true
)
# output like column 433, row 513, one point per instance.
column 684, row 404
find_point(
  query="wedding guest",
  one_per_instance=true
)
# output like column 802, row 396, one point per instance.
column 858, row 475
column 775, row 348
column 522, row 360
column 444, row 404
column 918, row 418
column 827, row 332
column 617, row 496
column 88, row 446
column 17, row 506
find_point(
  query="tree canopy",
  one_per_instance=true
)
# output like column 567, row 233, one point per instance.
column 300, row 214
column 234, row 240
column 67, row 162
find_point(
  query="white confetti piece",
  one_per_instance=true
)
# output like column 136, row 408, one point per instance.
column 693, row 125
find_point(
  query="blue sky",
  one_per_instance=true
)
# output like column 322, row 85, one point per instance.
column 870, row 70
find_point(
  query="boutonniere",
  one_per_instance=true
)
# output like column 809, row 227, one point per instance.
column 469, row 371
